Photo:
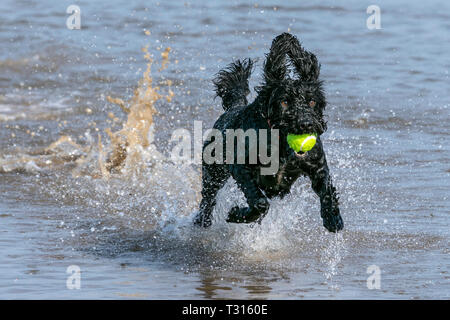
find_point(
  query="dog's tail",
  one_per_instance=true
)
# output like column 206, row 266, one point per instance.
column 232, row 83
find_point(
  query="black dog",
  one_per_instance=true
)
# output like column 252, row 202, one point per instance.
column 290, row 104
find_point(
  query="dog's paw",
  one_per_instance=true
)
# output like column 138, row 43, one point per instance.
column 242, row 215
column 333, row 222
column 202, row 220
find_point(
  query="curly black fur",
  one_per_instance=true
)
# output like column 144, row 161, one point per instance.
column 232, row 83
column 291, row 104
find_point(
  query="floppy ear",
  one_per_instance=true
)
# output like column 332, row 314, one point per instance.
column 305, row 63
column 275, row 65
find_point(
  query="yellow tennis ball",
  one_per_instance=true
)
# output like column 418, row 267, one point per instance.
column 302, row 142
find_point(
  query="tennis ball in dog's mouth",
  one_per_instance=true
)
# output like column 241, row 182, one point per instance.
column 302, row 142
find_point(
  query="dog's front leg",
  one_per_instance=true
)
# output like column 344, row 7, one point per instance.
column 214, row 177
column 257, row 201
column 317, row 169
column 323, row 187
column 329, row 208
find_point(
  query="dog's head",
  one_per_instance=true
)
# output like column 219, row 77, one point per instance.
column 293, row 99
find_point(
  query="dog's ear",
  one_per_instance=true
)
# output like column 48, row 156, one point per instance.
column 305, row 63
column 275, row 65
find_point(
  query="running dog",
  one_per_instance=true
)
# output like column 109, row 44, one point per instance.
column 291, row 101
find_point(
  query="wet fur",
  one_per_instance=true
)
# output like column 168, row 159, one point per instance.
column 268, row 111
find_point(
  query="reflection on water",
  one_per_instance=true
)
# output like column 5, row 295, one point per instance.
column 85, row 178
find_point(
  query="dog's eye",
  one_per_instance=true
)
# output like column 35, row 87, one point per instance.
column 284, row 104
column 312, row 103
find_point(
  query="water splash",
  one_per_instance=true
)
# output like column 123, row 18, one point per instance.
column 122, row 170
column 127, row 181
column 133, row 144
column 331, row 257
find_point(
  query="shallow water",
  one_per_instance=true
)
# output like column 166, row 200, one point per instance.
column 130, row 231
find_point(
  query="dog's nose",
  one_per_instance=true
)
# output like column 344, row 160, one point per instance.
column 307, row 125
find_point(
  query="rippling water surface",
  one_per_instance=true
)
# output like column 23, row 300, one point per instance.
column 127, row 223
